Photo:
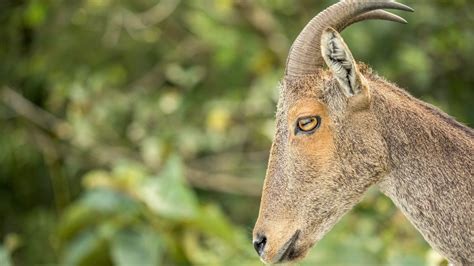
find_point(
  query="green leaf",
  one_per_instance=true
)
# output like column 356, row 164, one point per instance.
column 35, row 13
column 107, row 201
column 136, row 247
column 4, row 257
column 168, row 195
column 89, row 248
column 213, row 222
column 93, row 208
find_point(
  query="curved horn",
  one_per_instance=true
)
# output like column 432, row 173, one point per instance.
column 376, row 14
column 305, row 55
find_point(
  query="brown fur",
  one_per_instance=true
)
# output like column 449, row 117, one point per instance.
column 417, row 155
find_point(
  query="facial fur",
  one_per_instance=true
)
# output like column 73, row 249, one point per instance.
column 312, row 180
column 370, row 133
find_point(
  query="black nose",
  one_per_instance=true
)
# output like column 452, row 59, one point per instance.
column 259, row 244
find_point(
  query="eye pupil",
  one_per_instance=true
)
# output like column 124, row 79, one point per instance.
column 307, row 124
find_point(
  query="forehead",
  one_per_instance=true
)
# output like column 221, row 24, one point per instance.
column 301, row 90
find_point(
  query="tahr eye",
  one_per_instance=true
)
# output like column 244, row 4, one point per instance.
column 307, row 124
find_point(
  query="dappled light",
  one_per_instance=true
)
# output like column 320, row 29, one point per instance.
column 138, row 132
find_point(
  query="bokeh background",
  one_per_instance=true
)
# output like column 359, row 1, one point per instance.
column 136, row 132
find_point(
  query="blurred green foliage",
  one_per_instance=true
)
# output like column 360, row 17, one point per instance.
column 137, row 132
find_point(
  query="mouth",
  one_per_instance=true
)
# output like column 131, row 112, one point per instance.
column 288, row 253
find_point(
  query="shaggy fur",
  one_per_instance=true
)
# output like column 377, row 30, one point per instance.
column 417, row 155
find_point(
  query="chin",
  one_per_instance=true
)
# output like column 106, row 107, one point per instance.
column 295, row 255
column 300, row 250
column 291, row 255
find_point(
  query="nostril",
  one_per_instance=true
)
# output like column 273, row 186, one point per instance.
column 259, row 244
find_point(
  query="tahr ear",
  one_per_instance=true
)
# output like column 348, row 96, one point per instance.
column 339, row 59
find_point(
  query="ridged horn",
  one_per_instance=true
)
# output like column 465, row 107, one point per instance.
column 376, row 14
column 305, row 55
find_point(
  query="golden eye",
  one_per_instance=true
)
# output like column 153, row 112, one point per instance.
column 308, row 124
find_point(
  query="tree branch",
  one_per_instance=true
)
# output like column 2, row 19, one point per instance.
column 34, row 114
column 107, row 156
